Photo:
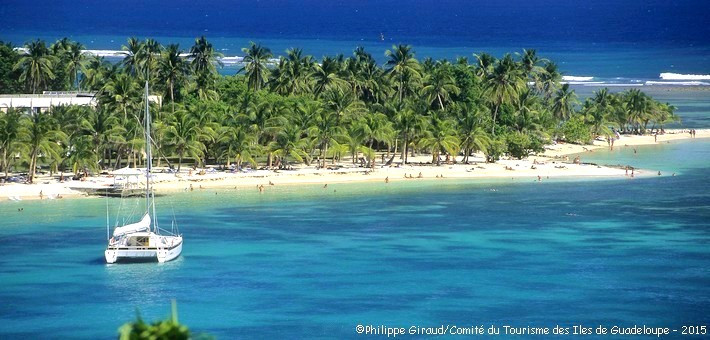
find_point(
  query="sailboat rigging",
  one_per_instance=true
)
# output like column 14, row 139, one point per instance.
column 138, row 241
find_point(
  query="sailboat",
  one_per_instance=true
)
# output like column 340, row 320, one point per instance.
column 142, row 240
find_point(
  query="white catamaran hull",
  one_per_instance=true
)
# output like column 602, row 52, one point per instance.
column 114, row 254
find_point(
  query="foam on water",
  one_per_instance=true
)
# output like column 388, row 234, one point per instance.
column 576, row 78
column 677, row 76
column 678, row 83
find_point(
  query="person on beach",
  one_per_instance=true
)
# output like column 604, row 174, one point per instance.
column 325, row 186
column 539, row 179
column 387, row 179
column 420, row 175
column 41, row 195
column 191, row 188
column 659, row 173
column 655, row 138
column 632, row 172
column 627, row 171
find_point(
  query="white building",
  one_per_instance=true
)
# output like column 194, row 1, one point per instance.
column 48, row 99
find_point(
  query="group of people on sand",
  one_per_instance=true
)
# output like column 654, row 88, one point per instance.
column 632, row 171
column 41, row 195
column 692, row 133
column 412, row 176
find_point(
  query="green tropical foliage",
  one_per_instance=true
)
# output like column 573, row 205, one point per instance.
column 297, row 109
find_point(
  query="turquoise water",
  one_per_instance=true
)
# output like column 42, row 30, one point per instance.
column 678, row 157
column 304, row 262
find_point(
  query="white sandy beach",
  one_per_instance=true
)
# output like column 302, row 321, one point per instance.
column 553, row 163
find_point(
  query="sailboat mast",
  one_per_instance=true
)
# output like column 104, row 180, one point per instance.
column 147, row 151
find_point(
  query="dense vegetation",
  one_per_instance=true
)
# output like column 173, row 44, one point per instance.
column 298, row 109
column 163, row 329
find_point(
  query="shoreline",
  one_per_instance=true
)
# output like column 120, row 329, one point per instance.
column 554, row 162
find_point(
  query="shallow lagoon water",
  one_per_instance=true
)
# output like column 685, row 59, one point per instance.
column 303, row 261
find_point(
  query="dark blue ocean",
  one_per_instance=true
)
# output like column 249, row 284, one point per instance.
column 632, row 39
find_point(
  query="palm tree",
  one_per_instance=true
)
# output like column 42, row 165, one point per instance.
column 289, row 143
column 235, row 142
column 12, row 133
column 75, row 62
column 123, row 93
column 42, row 139
column 184, row 136
column 149, row 56
column 83, row 154
column 255, row 59
column 402, row 66
column 440, row 84
column 377, row 127
column 36, row 66
column 326, row 76
column 353, row 137
column 503, row 85
column 599, row 110
column 292, row 75
column 471, row 133
column 547, row 80
column 563, row 103
column 638, row 105
column 172, row 69
column 204, row 57
column 324, row 129
column 95, row 73
column 440, row 135
column 530, row 63
column 105, row 131
column 484, row 64
column 407, row 122
column 262, row 120
column 132, row 52
column 343, row 104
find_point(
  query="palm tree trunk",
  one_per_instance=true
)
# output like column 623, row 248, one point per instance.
column 325, row 153
column 172, row 97
column 4, row 163
column 118, row 159
column 33, row 165
column 441, row 104
column 401, row 87
column 179, row 161
column 493, row 128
